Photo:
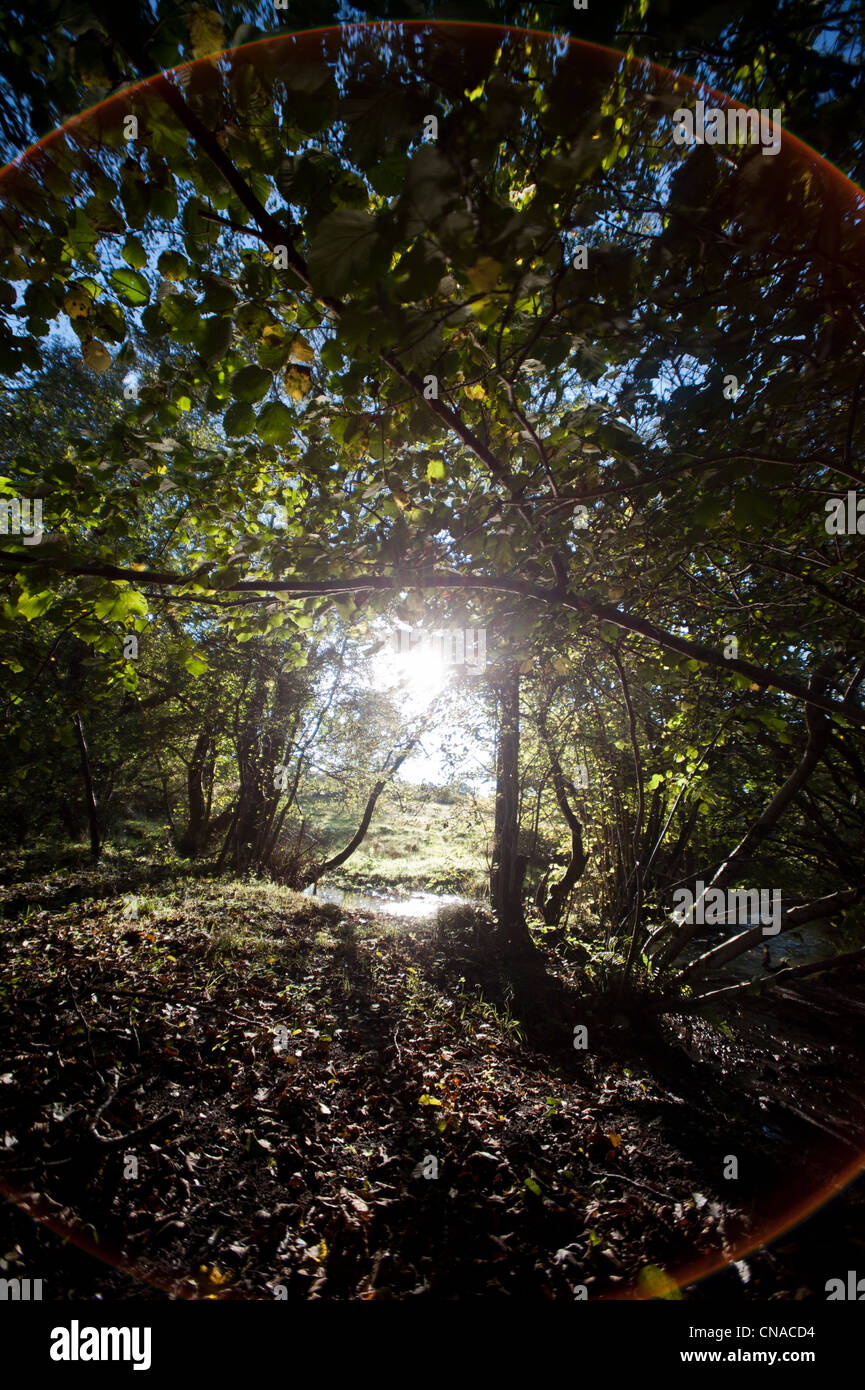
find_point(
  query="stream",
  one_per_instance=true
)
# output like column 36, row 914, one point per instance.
column 418, row 906
column 798, row 947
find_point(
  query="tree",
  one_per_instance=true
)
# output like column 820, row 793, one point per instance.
column 462, row 350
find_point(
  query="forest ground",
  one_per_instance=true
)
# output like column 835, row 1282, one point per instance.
column 154, row 1036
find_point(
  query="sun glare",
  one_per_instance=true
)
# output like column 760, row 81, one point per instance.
column 418, row 675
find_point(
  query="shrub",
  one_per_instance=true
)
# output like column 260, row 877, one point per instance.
column 463, row 924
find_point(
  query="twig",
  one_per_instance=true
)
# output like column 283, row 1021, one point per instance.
column 152, row 1125
column 77, row 1008
column 632, row 1182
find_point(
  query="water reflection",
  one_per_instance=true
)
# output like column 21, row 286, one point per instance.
column 420, row 906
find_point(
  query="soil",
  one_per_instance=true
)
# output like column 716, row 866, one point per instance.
column 424, row 1126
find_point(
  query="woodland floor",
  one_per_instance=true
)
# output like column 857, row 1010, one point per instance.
column 257, row 1167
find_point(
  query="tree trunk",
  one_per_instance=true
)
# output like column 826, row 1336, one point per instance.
column 194, row 837
column 508, row 867
column 260, row 745
column 357, row 839
column 69, row 819
column 552, row 903
column 90, row 799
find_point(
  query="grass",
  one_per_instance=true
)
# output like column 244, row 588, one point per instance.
column 415, row 843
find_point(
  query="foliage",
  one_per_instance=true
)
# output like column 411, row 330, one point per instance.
column 377, row 379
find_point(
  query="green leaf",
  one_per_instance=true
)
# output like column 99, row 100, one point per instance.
column 180, row 312
column 347, row 249
column 251, row 383
column 218, row 297
column 173, row 266
column 134, row 253
column 239, row 418
column 32, row 606
column 706, row 513
column 275, row 424
column 215, row 339
column 132, row 287
column 428, row 1100
column 119, row 603
column 753, row 508
column 134, row 602
column 195, row 666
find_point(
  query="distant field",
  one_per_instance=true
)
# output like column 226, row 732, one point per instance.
column 414, row 843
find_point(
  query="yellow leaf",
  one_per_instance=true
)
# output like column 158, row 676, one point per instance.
column 94, row 75
column 484, row 274
column 205, row 33
column 78, row 302
column 96, row 355
column 654, row 1282
column 298, row 382
column 520, row 196
column 615, row 1140
column 429, row 1100
column 484, row 310
column 301, row 349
